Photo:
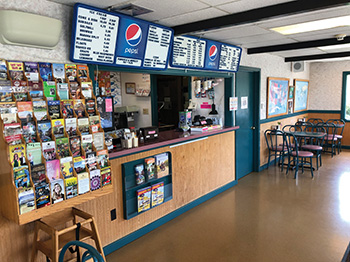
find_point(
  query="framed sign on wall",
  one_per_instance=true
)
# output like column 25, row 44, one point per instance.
column 277, row 96
column 301, row 94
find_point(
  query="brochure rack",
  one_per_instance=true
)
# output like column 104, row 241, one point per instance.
column 130, row 187
column 9, row 192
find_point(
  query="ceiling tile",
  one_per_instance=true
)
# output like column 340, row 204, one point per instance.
column 100, row 4
column 217, row 2
column 305, row 17
column 321, row 34
column 299, row 52
column 191, row 17
column 235, row 31
column 269, row 43
column 338, row 50
column 244, row 5
column 169, row 8
column 258, row 38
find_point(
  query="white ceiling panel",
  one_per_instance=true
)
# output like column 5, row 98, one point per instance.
column 258, row 38
column 238, row 31
column 338, row 50
column 191, row 17
column 244, row 5
column 305, row 17
column 218, row 2
column 322, row 34
column 99, row 4
column 268, row 43
column 169, row 8
column 300, row 52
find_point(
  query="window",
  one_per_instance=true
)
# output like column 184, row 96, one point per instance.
column 345, row 109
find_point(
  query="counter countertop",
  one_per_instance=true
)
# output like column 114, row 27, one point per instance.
column 167, row 138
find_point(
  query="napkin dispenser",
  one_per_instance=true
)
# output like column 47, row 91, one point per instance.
column 150, row 133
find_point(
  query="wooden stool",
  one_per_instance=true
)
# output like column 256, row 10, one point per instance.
column 59, row 232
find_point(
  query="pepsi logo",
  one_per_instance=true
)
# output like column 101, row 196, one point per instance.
column 133, row 34
column 213, row 52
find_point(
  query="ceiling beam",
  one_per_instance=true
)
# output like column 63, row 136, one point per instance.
column 300, row 45
column 316, row 57
column 255, row 15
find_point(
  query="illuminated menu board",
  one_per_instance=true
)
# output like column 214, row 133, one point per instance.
column 113, row 39
column 198, row 53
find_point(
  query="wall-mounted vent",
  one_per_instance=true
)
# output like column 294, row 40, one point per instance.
column 298, row 66
column 130, row 9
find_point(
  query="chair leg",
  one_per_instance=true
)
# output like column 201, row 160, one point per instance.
column 302, row 165
column 288, row 164
column 312, row 172
column 296, row 166
column 320, row 159
column 268, row 161
column 317, row 156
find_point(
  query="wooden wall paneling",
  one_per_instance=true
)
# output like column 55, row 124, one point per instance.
column 192, row 178
column 264, row 153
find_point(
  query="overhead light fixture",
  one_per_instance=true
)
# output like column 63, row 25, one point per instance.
column 333, row 47
column 313, row 26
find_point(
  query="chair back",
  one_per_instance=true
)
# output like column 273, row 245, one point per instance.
column 301, row 123
column 319, row 141
column 274, row 138
column 339, row 124
column 330, row 130
column 315, row 121
column 291, row 128
column 292, row 143
column 90, row 253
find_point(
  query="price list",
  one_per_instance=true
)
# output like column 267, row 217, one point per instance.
column 96, row 36
column 158, row 43
column 229, row 58
column 188, row 52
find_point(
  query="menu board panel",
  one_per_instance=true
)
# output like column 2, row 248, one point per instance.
column 96, row 36
column 113, row 39
column 199, row 53
column 188, row 52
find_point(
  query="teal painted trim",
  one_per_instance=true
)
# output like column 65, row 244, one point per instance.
column 195, row 138
column 263, row 167
column 345, row 147
column 325, row 111
column 92, row 69
column 229, row 92
column 298, row 114
column 189, row 87
column 146, row 229
column 177, row 72
column 343, row 97
column 154, row 100
column 256, row 120
column 282, row 117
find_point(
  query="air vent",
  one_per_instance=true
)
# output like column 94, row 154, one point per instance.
column 130, row 9
column 297, row 66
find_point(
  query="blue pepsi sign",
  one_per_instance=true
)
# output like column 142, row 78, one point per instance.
column 113, row 39
column 212, row 54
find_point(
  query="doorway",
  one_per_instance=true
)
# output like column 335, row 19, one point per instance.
column 247, row 118
column 173, row 95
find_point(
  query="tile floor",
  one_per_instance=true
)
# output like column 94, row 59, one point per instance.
column 268, row 216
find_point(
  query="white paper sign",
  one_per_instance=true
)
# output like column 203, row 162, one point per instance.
column 244, row 102
column 233, row 103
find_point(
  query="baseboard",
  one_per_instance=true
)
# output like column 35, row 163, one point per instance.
column 146, row 229
column 272, row 162
column 345, row 147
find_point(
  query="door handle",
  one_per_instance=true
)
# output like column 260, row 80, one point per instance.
column 252, row 127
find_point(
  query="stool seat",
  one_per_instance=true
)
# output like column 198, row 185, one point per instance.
column 312, row 147
column 62, row 228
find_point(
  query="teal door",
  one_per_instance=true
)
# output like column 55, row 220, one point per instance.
column 246, row 118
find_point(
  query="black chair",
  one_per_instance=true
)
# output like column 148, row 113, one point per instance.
column 293, row 128
column 297, row 157
column 315, row 144
column 330, row 141
column 276, row 148
column 340, row 125
column 315, row 121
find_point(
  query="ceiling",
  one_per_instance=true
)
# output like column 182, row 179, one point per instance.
column 213, row 19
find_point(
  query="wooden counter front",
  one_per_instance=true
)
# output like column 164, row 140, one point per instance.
column 199, row 166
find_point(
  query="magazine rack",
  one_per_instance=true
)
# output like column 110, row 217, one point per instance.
column 130, row 187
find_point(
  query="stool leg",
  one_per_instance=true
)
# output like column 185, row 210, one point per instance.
column 55, row 248
column 35, row 240
column 97, row 239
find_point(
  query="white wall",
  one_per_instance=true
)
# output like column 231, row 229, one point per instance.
column 141, row 119
column 41, row 7
column 219, row 100
column 326, row 85
column 271, row 66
